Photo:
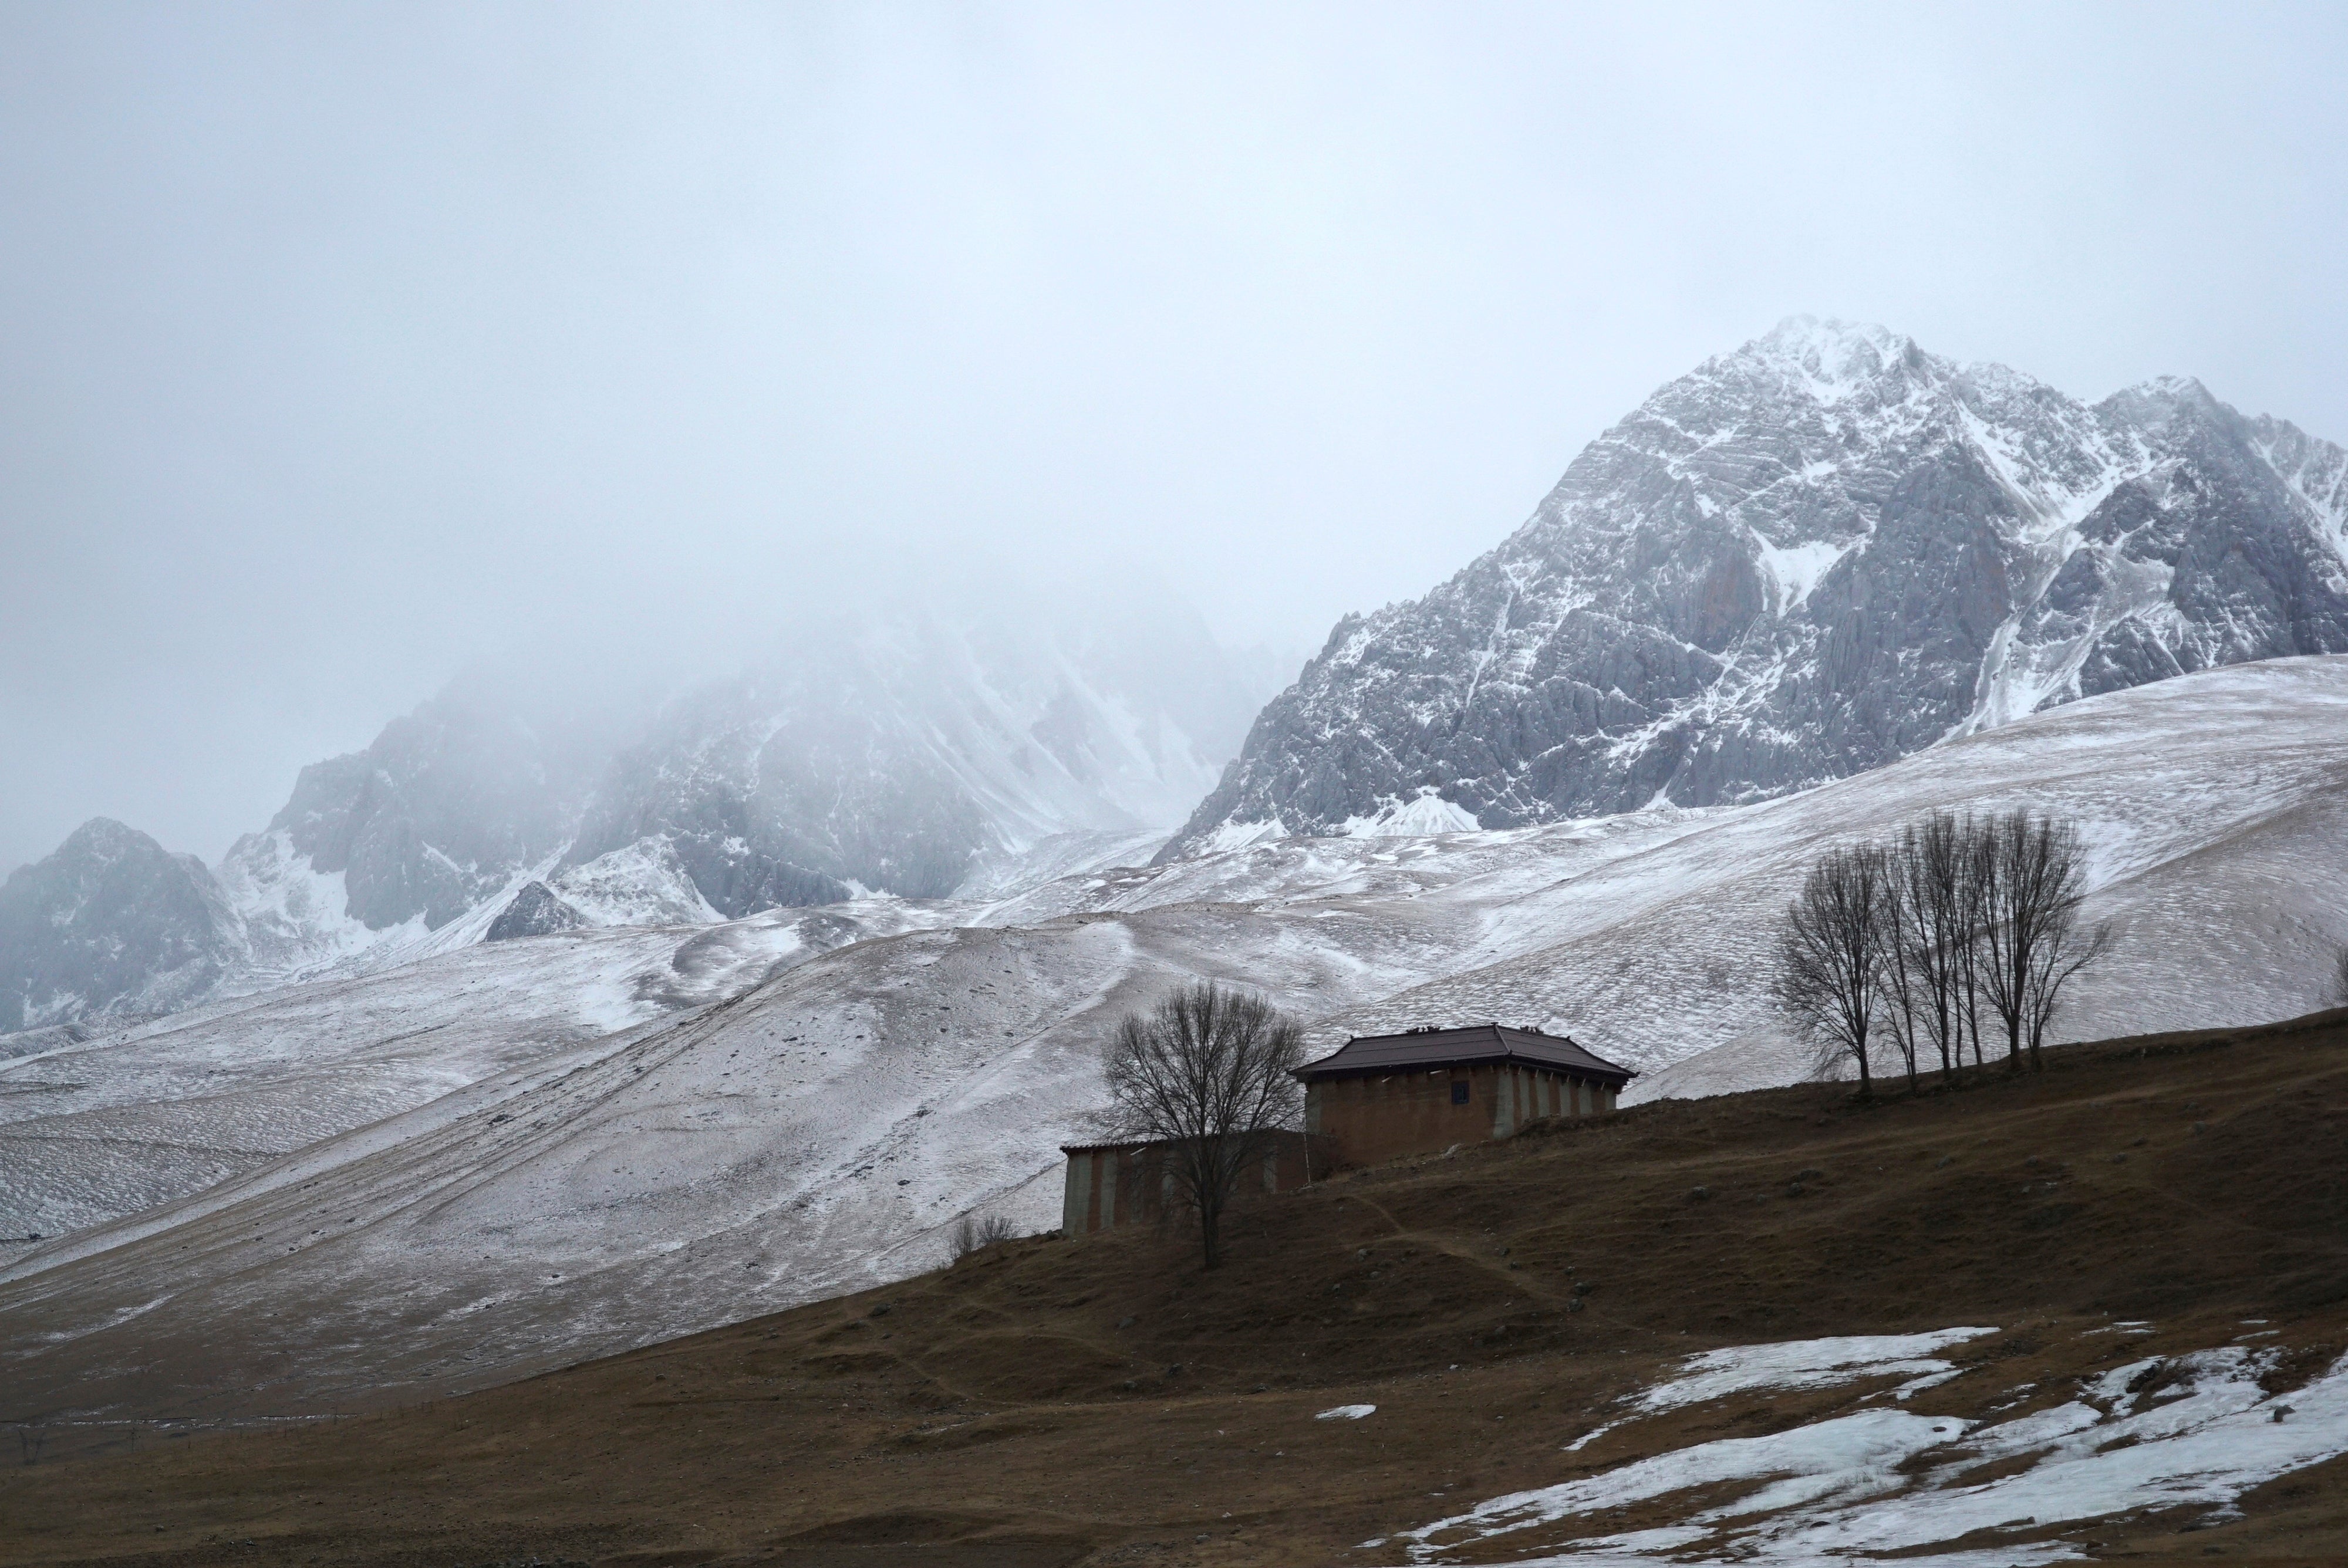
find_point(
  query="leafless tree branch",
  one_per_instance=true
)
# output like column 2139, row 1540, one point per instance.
column 1828, row 972
column 1209, row 1074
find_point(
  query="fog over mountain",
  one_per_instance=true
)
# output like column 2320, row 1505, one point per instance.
column 916, row 754
column 347, row 349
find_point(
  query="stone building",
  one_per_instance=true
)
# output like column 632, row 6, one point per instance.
column 1383, row 1095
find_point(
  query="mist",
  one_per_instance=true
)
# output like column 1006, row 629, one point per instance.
column 343, row 351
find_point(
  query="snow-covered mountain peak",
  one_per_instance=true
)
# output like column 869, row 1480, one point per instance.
column 2162, row 405
column 1809, row 557
column 112, row 913
column 1832, row 360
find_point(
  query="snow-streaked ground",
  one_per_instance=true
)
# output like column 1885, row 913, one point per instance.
column 1879, row 1484
column 97, row 1130
column 610, row 1136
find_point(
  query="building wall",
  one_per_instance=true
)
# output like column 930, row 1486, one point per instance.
column 1125, row 1184
column 1370, row 1119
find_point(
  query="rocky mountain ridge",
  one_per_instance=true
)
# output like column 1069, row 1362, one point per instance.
column 112, row 913
column 1806, row 558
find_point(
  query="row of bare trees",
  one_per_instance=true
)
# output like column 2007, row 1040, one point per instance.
column 1960, row 926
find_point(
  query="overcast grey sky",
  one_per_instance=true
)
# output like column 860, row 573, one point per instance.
column 341, row 345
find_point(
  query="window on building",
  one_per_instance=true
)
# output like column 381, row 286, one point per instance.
column 1459, row 1092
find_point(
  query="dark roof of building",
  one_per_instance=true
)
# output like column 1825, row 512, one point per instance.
column 1470, row 1045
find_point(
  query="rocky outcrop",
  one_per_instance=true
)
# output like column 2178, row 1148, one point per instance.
column 110, row 924
column 431, row 818
column 536, row 911
column 1806, row 558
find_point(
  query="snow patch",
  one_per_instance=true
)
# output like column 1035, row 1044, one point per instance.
column 1804, row 1363
column 1423, row 815
column 1793, row 570
column 1229, row 835
column 1846, row 1489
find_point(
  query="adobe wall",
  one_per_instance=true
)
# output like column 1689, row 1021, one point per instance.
column 1129, row 1183
column 1367, row 1119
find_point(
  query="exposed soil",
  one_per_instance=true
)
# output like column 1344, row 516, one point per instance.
column 1056, row 1402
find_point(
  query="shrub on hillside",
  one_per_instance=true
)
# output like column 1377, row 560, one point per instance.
column 973, row 1232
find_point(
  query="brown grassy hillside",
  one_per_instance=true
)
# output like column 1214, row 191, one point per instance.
column 1100, row 1402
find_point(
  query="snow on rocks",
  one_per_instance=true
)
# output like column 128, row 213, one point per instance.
column 1346, row 1413
column 1424, row 814
column 641, row 883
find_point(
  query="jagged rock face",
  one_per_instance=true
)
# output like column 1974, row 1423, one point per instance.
column 111, row 923
column 536, row 911
column 711, row 782
column 645, row 883
column 1806, row 559
column 431, row 818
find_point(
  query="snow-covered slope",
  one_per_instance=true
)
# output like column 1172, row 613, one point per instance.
column 107, row 1126
column 1803, row 560
column 781, row 1138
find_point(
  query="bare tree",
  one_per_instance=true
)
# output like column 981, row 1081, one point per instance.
column 971, row 1233
column 1828, row 971
column 1977, row 882
column 2033, row 871
column 2067, row 949
column 1928, row 865
column 1208, row 1073
column 1900, row 956
column 2004, row 963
